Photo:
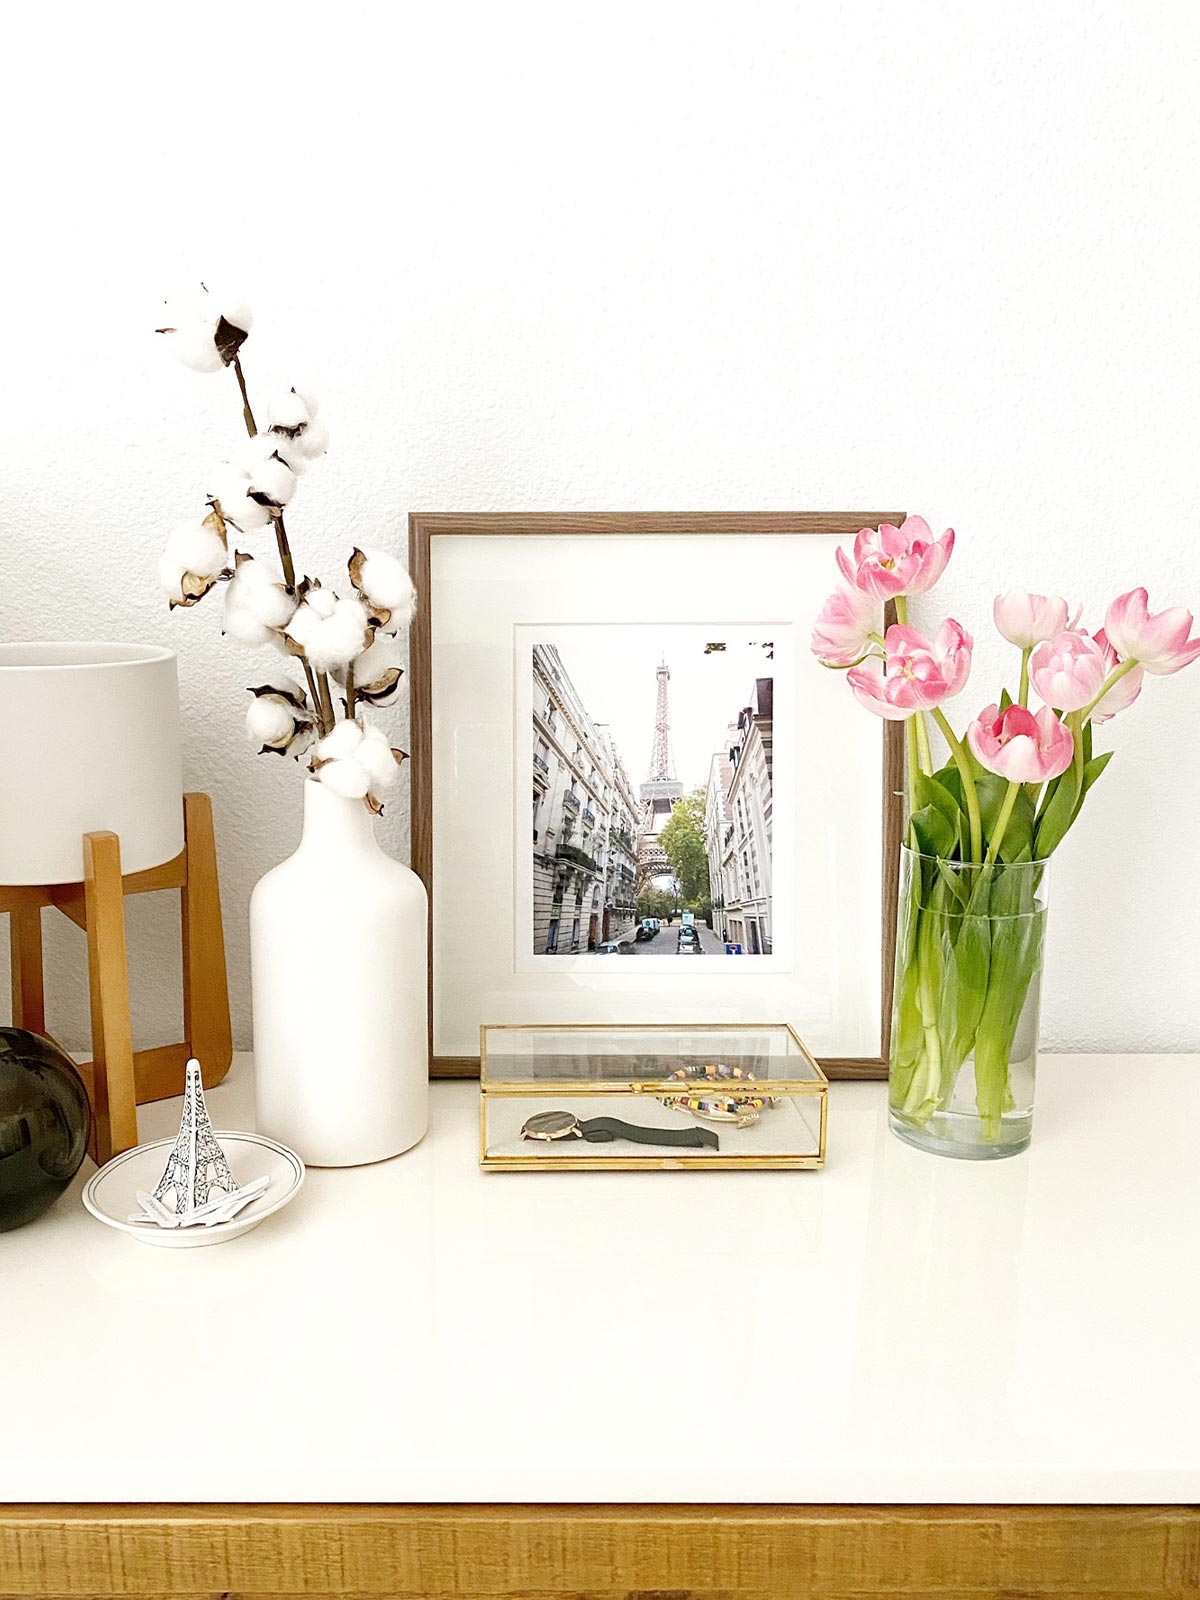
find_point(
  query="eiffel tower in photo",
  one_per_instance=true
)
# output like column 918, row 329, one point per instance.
column 660, row 791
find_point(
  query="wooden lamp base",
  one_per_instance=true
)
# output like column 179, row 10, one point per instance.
column 118, row 1077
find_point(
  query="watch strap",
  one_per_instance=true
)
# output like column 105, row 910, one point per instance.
column 603, row 1130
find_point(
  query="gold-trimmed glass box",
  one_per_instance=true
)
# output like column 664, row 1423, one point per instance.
column 638, row 1096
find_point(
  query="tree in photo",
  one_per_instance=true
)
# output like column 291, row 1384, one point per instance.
column 660, row 903
column 683, row 840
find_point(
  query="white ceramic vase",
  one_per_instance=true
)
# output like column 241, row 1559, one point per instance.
column 339, row 963
column 89, row 740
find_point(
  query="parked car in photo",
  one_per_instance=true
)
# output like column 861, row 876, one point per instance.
column 689, row 942
column 615, row 947
column 651, row 926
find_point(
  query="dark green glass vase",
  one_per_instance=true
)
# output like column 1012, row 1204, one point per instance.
column 44, row 1124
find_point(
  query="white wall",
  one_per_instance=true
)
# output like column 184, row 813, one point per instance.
column 627, row 256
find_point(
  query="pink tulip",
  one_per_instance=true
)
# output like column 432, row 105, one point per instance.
column 1068, row 671
column 1159, row 643
column 890, row 561
column 1020, row 746
column 917, row 673
column 1027, row 619
column 1124, row 692
column 842, row 633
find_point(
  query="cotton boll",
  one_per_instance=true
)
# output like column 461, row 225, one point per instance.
column 198, row 545
column 330, row 632
column 346, row 778
column 233, row 308
column 374, row 755
column 254, row 450
column 280, row 684
column 272, row 483
column 195, row 347
column 205, row 329
column 308, row 398
column 314, row 441
column 289, row 452
column 246, row 514
column 278, row 718
column 269, row 478
column 336, row 765
column 378, row 672
column 287, row 412
column 182, row 588
column 341, row 743
column 385, row 586
column 228, row 485
column 194, row 557
column 258, row 604
column 268, row 722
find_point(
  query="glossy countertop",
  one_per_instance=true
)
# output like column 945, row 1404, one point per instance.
column 895, row 1328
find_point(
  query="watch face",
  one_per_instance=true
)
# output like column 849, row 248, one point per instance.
column 550, row 1125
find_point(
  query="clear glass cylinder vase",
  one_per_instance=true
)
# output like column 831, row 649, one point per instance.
column 966, row 1004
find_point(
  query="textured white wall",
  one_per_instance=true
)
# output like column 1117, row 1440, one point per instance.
column 633, row 256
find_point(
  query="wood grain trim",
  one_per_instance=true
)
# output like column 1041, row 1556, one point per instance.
column 494, row 1552
column 423, row 526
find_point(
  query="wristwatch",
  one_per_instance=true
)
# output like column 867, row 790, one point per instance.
column 548, row 1125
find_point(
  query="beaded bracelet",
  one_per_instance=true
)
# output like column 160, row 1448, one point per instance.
column 740, row 1109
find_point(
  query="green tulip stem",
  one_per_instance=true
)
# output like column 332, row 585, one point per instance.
column 912, row 761
column 970, row 793
column 923, row 750
column 1115, row 676
column 1006, row 811
column 1023, row 691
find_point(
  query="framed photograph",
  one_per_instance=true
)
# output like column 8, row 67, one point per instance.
column 636, row 795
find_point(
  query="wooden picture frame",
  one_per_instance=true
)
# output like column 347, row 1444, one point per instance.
column 425, row 527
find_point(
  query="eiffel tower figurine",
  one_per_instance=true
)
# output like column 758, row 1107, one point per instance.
column 195, row 1168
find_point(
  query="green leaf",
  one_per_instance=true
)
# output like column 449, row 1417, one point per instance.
column 949, row 779
column 1018, row 835
column 932, row 792
column 955, row 881
column 1092, row 771
column 972, row 950
column 936, row 836
column 1058, row 814
column 1005, row 700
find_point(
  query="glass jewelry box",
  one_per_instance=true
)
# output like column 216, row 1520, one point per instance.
column 638, row 1097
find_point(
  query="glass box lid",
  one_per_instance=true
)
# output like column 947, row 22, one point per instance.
column 641, row 1057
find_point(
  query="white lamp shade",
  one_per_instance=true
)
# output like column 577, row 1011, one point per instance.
column 89, row 740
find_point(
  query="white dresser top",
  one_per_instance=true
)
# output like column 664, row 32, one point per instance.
column 896, row 1328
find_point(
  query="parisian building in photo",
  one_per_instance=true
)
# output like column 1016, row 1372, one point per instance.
column 738, row 823
column 585, row 821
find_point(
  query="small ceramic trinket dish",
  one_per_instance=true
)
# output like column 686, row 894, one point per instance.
column 111, row 1195
column 212, row 1187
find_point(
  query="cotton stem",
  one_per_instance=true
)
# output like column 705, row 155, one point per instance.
column 326, row 700
column 315, row 698
column 285, row 550
column 248, row 415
